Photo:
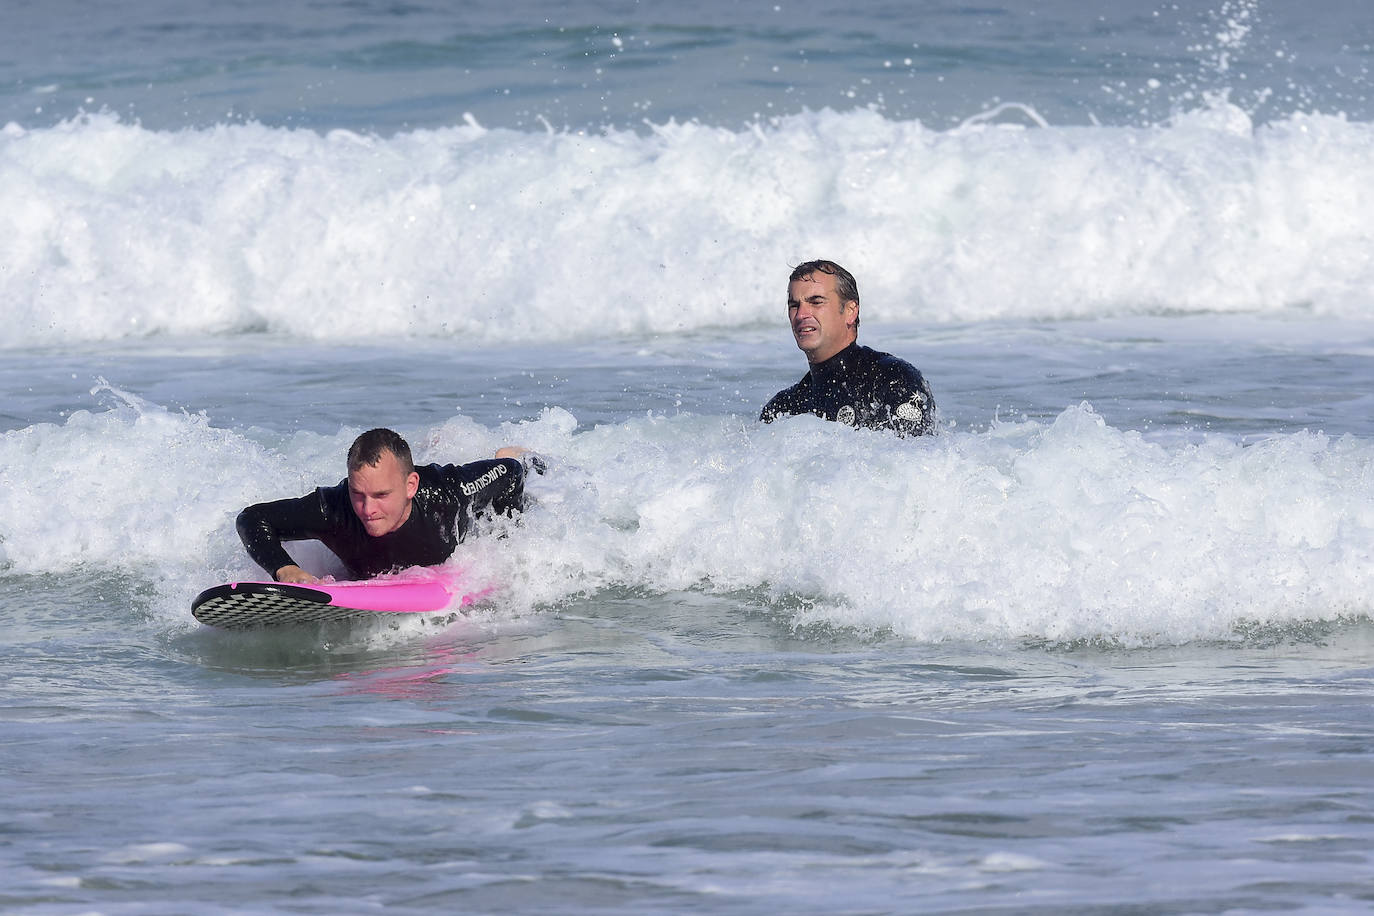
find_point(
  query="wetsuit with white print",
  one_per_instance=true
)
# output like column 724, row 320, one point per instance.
column 449, row 498
column 860, row 386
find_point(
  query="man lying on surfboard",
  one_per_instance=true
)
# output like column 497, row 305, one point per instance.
column 387, row 514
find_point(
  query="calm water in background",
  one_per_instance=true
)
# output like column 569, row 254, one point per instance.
column 1102, row 645
column 386, row 66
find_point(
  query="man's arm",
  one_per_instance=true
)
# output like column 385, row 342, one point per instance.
column 494, row 485
column 527, row 457
column 784, row 404
column 911, row 408
column 770, row 410
column 263, row 527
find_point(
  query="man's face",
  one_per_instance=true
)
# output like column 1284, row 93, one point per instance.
column 381, row 494
column 821, row 323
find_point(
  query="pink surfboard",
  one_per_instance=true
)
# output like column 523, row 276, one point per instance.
column 244, row 605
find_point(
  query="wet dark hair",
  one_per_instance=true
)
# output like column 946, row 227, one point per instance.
column 846, row 287
column 367, row 450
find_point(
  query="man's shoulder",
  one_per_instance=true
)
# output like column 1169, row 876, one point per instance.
column 476, row 468
column 793, row 389
column 786, row 401
column 470, row 477
column 882, row 359
column 891, row 367
column 433, row 472
column 904, row 390
column 333, row 497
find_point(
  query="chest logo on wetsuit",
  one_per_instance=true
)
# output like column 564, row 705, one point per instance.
column 845, row 415
column 471, row 488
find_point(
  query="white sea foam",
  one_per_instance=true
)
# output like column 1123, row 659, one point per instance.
column 115, row 231
column 1064, row 530
column 139, row 853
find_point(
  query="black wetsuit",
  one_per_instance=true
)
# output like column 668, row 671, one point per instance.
column 860, row 386
column 449, row 497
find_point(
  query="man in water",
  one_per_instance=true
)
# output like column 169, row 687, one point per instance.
column 387, row 514
column 847, row 383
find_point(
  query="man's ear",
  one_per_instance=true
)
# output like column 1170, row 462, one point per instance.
column 412, row 485
column 851, row 313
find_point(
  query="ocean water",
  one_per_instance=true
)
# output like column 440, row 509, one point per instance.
column 1102, row 645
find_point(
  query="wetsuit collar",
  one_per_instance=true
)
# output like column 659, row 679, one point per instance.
column 835, row 364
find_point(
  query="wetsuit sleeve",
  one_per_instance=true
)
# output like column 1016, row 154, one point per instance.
column 770, row 410
column 496, row 485
column 262, row 528
column 509, row 497
column 910, row 404
column 782, row 404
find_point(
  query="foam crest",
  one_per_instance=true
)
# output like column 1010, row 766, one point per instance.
column 496, row 235
column 1064, row 530
column 124, row 489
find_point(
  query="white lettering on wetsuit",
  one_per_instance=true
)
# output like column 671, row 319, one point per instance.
column 471, row 488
